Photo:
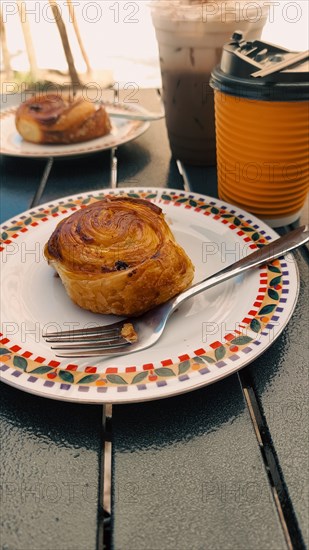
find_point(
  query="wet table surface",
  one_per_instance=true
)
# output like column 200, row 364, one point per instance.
column 224, row 467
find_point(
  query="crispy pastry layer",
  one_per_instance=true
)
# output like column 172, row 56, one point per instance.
column 52, row 118
column 119, row 256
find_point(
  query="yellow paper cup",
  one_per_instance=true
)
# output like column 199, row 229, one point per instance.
column 262, row 143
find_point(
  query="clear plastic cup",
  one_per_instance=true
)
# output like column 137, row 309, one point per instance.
column 190, row 37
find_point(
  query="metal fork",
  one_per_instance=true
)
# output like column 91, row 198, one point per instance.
column 117, row 111
column 108, row 340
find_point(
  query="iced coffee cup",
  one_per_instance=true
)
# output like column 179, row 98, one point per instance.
column 190, row 38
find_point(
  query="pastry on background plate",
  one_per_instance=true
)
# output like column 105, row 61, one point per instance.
column 61, row 119
column 119, row 256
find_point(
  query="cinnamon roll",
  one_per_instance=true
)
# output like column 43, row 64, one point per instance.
column 118, row 256
column 57, row 119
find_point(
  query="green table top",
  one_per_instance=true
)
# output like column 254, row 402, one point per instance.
column 224, row 467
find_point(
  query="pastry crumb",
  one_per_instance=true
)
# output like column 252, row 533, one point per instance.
column 128, row 333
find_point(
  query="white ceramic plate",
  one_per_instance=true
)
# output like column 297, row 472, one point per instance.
column 211, row 336
column 123, row 131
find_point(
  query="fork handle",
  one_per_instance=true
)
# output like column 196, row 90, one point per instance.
column 116, row 111
column 134, row 116
column 273, row 250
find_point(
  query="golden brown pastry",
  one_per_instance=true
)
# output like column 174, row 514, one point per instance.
column 52, row 118
column 119, row 256
column 128, row 333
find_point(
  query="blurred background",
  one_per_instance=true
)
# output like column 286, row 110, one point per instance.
column 106, row 42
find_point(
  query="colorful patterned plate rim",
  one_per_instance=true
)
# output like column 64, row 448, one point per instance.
column 123, row 131
column 210, row 337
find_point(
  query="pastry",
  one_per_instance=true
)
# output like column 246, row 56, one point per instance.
column 119, row 256
column 57, row 119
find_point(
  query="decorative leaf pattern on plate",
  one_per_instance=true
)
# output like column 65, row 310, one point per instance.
column 116, row 379
column 220, row 352
column 273, row 294
column 183, row 367
column 267, row 309
column 206, row 359
column 255, row 325
column 276, row 281
column 139, row 377
column 88, row 379
column 66, row 376
column 42, row 370
column 164, row 372
column 20, row 362
column 15, row 228
column 241, row 340
column 273, row 268
column 255, row 236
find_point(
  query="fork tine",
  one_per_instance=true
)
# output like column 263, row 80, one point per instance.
column 108, row 336
column 101, row 329
column 95, row 345
column 111, row 350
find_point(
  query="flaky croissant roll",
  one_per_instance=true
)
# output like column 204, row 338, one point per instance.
column 119, row 256
column 51, row 118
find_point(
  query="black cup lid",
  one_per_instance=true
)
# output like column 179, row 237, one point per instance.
column 241, row 60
